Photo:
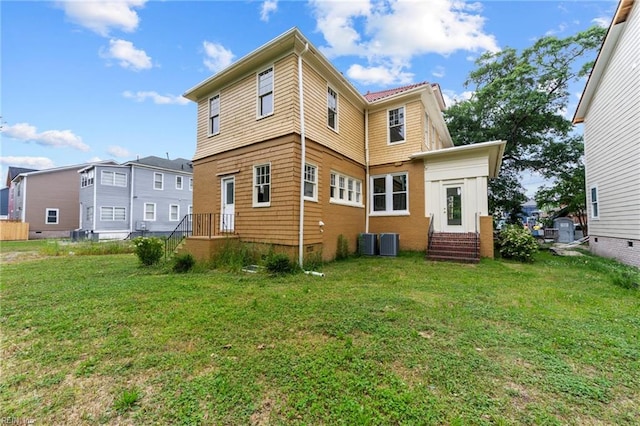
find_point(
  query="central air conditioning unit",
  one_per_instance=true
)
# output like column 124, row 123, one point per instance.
column 141, row 226
column 368, row 244
column 389, row 244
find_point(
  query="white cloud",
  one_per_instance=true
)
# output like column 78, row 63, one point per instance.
column 217, row 57
column 452, row 98
column 268, row 8
column 390, row 33
column 378, row 75
column 438, row 72
column 94, row 160
column 602, row 21
column 38, row 163
column 128, row 56
column 118, row 151
column 55, row 138
column 157, row 98
column 102, row 16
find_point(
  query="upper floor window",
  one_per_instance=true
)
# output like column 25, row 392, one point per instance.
column 345, row 189
column 390, row 193
column 310, row 182
column 52, row 216
column 86, row 178
column 594, row 202
column 178, row 182
column 332, row 109
column 396, row 125
column 190, row 184
column 265, row 92
column 262, row 185
column 214, row 115
column 158, row 181
column 110, row 178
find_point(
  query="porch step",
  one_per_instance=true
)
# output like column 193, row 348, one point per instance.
column 454, row 247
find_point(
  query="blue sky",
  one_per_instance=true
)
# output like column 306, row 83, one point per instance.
column 93, row 80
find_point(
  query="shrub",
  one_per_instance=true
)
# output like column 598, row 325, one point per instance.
column 517, row 243
column 342, row 251
column 148, row 249
column 183, row 263
column 279, row 264
column 313, row 261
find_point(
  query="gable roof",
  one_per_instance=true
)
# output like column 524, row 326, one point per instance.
column 56, row 169
column 374, row 96
column 15, row 171
column 179, row 164
column 602, row 60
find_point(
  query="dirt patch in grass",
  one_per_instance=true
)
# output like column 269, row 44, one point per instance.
column 20, row 256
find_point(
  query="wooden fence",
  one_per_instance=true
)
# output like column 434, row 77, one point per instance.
column 11, row 230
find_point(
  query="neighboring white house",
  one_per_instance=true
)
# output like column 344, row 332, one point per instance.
column 610, row 111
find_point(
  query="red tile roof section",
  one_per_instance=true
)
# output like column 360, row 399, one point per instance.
column 371, row 97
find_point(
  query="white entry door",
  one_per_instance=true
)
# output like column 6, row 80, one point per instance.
column 452, row 213
column 228, row 205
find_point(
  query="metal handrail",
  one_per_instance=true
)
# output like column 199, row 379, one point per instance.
column 430, row 233
column 200, row 225
column 181, row 231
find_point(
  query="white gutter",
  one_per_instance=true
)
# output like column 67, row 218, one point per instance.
column 95, row 199
column 23, row 213
column 366, row 162
column 303, row 157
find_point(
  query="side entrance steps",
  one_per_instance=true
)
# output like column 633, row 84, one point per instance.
column 454, row 247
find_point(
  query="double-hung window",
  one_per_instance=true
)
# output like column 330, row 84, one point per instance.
column 262, row 185
column 178, row 182
column 52, row 216
column 345, row 189
column 396, row 125
column 594, row 202
column 150, row 211
column 265, row 92
column 214, row 115
column 89, row 216
column 86, row 178
column 174, row 212
column 390, row 194
column 158, row 181
column 310, row 182
column 332, row 109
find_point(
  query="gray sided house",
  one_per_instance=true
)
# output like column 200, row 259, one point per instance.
column 148, row 196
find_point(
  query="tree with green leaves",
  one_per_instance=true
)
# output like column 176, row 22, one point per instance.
column 522, row 98
column 567, row 192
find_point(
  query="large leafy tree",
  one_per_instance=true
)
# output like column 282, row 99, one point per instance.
column 567, row 192
column 522, row 98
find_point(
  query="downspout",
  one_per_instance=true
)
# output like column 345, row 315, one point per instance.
column 23, row 213
column 95, row 199
column 133, row 172
column 366, row 162
column 303, row 155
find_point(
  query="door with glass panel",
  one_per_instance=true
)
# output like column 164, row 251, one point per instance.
column 452, row 214
column 227, row 221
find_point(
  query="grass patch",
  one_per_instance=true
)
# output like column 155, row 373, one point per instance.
column 99, row 339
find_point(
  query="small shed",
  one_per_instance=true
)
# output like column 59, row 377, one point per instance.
column 566, row 229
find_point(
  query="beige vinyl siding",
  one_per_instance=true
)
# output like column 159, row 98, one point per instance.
column 56, row 190
column 612, row 141
column 349, row 140
column 380, row 150
column 239, row 123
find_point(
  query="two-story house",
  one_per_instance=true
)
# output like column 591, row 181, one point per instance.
column 47, row 200
column 610, row 111
column 289, row 153
column 148, row 196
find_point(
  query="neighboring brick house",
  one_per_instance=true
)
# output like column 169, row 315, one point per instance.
column 149, row 196
column 610, row 111
column 47, row 200
column 289, row 149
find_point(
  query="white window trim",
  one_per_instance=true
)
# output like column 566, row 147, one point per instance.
column 345, row 201
column 161, row 181
column 591, row 203
column 209, row 132
column 404, row 124
column 46, row 216
column 336, row 129
column 314, row 197
column 190, row 184
column 180, row 179
column 388, row 196
column 273, row 92
column 177, row 212
column 144, row 212
column 86, row 178
column 113, row 179
column 113, row 214
column 254, row 196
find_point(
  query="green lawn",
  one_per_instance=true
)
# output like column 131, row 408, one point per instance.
column 102, row 340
